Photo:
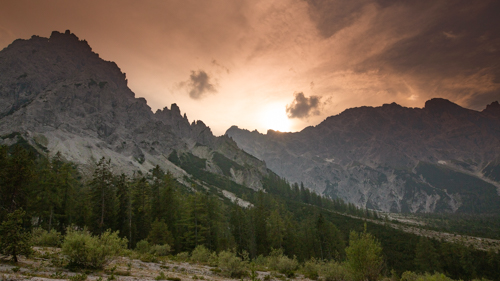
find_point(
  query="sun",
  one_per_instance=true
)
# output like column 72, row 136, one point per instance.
column 274, row 117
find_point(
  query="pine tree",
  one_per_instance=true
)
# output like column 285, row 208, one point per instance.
column 260, row 214
column 66, row 183
column 195, row 222
column 124, row 215
column 275, row 230
column 17, row 178
column 159, row 234
column 364, row 256
column 330, row 242
column 158, row 183
column 14, row 240
column 426, row 257
column 141, row 209
column 103, row 198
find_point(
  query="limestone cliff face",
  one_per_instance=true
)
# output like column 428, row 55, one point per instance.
column 60, row 96
column 441, row 158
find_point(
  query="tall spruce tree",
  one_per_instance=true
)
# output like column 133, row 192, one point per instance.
column 18, row 174
column 102, row 198
column 364, row 256
column 14, row 239
column 124, row 215
column 426, row 256
column 331, row 244
column 141, row 209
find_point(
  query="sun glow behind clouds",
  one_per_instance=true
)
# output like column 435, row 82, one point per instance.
column 274, row 118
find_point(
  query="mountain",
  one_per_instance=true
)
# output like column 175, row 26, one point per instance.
column 440, row 158
column 58, row 95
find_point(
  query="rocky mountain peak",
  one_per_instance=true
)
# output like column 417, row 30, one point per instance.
column 58, row 95
column 440, row 105
column 493, row 108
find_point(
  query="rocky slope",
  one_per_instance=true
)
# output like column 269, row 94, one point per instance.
column 58, row 95
column 441, row 158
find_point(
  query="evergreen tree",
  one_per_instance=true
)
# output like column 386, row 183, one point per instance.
column 260, row 215
column 141, row 209
column 103, row 198
column 66, row 183
column 364, row 256
column 14, row 240
column 330, row 242
column 426, row 257
column 124, row 215
column 275, row 229
column 157, row 208
column 159, row 234
column 195, row 222
column 18, row 174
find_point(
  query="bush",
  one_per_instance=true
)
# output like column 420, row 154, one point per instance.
column 182, row 256
column 310, row 269
column 160, row 250
column 84, row 250
column 232, row 265
column 44, row 238
column 281, row 263
column 142, row 247
column 333, row 271
column 287, row 266
column 201, row 254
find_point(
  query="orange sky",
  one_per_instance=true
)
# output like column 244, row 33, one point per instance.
column 285, row 64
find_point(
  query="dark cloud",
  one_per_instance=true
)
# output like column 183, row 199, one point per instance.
column 199, row 85
column 303, row 107
column 332, row 16
column 455, row 54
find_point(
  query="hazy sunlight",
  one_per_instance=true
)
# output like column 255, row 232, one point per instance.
column 274, row 117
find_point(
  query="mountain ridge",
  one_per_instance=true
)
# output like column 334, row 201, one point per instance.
column 58, row 95
column 375, row 156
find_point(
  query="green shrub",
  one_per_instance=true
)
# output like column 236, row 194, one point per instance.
column 142, row 247
column 333, row 271
column 310, row 269
column 200, row 254
column 182, row 256
column 44, row 238
column 287, row 266
column 84, row 250
column 231, row 265
column 160, row 250
column 281, row 263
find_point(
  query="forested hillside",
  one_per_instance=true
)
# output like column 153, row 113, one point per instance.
column 156, row 208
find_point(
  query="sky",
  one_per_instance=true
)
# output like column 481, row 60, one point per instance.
column 284, row 64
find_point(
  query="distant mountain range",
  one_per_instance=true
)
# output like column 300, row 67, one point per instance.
column 441, row 158
column 58, row 95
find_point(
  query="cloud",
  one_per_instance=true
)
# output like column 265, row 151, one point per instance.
column 199, row 85
column 220, row 66
column 303, row 107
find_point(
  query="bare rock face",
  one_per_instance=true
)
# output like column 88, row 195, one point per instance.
column 60, row 96
column 441, row 158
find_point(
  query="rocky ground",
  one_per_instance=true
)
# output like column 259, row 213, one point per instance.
column 48, row 264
